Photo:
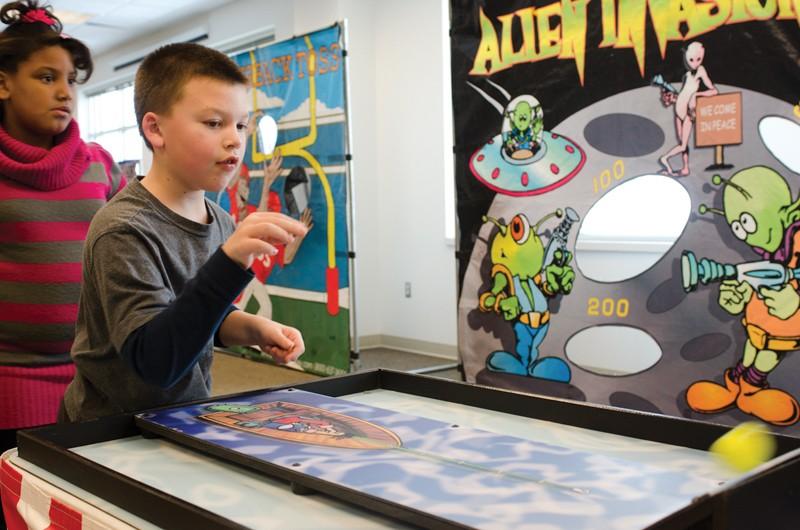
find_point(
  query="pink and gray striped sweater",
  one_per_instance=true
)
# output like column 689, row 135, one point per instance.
column 47, row 200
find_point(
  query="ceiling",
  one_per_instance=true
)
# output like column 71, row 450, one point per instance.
column 104, row 24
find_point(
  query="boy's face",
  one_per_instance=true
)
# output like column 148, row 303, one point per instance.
column 203, row 134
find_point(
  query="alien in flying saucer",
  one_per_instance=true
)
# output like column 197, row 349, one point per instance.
column 524, row 159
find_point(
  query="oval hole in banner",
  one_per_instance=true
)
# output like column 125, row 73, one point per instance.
column 268, row 130
column 631, row 228
column 781, row 137
column 613, row 350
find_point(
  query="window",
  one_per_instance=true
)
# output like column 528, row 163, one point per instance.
column 112, row 123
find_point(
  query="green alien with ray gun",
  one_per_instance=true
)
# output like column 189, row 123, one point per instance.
column 524, row 276
column 758, row 207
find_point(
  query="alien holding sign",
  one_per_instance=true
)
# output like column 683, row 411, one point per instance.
column 524, row 276
column 758, row 206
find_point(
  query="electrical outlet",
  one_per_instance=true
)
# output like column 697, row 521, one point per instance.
column 408, row 289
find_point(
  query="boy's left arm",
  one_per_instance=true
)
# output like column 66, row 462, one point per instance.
column 283, row 343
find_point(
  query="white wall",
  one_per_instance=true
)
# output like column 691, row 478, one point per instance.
column 411, row 154
column 363, row 106
column 397, row 77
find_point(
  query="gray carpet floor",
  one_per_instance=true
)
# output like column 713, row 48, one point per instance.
column 232, row 374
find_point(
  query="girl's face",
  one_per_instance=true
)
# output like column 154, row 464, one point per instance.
column 39, row 98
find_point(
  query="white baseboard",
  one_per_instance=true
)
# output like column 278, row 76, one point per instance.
column 434, row 349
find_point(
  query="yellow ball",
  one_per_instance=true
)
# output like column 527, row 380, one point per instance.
column 745, row 446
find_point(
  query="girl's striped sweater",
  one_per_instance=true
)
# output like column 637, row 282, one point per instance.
column 47, row 200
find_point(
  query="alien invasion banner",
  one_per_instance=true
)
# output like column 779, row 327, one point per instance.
column 628, row 197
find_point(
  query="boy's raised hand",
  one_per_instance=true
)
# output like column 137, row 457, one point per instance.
column 258, row 234
column 283, row 343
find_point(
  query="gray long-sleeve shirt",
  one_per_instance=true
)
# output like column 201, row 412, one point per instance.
column 141, row 262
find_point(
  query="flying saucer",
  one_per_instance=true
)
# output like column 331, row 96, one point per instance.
column 557, row 160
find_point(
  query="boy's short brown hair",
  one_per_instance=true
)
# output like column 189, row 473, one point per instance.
column 165, row 71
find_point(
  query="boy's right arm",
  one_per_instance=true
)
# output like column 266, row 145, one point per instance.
column 160, row 335
column 165, row 349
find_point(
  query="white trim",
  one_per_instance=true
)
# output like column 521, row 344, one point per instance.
column 309, row 296
column 322, row 119
column 249, row 40
column 109, row 131
column 195, row 34
column 329, row 170
column 623, row 245
column 92, row 89
column 422, row 347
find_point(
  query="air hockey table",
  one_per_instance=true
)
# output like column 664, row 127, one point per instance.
column 460, row 456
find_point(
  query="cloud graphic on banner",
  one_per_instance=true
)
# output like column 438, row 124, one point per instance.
column 263, row 101
column 303, row 111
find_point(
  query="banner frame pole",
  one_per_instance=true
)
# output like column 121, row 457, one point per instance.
column 355, row 353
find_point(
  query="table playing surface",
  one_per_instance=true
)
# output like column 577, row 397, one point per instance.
column 548, row 473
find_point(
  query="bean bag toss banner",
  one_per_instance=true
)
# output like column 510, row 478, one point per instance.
column 298, row 87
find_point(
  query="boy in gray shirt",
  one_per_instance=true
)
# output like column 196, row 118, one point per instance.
column 162, row 265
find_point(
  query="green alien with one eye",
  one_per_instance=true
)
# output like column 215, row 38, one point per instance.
column 524, row 276
column 527, row 124
column 760, row 211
